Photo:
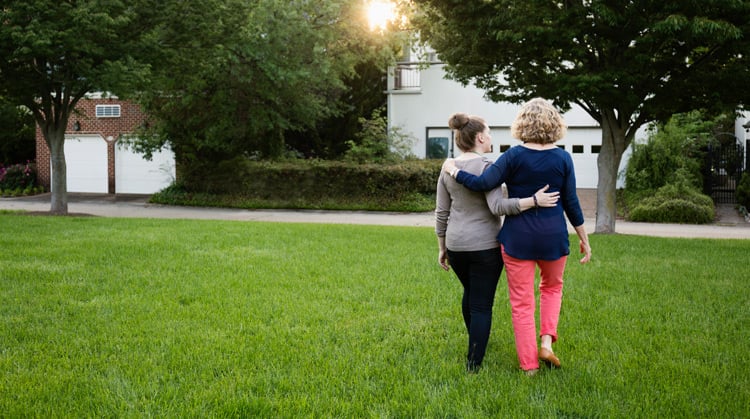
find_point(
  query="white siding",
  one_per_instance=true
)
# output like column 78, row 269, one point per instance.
column 423, row 113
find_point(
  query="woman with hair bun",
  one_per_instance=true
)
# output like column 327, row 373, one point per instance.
column 466, row 224
column 538, row 237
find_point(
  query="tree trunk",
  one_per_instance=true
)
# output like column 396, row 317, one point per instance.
column 606, row 206
column 59, row 185
column 614, row 143
column 52, row 116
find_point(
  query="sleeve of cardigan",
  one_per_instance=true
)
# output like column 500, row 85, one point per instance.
column 569, row 196
column 442, row 207
column 500, row 205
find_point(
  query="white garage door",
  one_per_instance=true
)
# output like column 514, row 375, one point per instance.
column 86, row 161
column 136, row 175
column 583, row 144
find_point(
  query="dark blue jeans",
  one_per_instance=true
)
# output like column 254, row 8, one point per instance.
column 479, row 272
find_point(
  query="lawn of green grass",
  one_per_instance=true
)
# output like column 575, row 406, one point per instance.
column 178, row 318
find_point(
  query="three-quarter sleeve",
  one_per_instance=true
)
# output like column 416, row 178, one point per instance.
column 570, row 203
column 500, row 205
column 442, row 207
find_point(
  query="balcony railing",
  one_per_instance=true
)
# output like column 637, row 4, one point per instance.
column 406, row 76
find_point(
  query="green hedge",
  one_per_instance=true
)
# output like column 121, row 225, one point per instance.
column 313, row 179
column 674, row 204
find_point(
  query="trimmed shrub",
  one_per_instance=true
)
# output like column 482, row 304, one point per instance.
column 675, row 204
column 313, row 180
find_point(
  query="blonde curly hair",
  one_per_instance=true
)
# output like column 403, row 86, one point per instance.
column 538, row 122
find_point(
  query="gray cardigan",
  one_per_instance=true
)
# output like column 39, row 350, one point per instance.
column 470, row 220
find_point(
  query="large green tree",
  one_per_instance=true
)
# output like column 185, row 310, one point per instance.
column 626, row 63
column 54, row 52
column 261, row 70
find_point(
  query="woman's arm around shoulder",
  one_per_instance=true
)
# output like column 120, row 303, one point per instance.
column 499, row 205
column 491, row 178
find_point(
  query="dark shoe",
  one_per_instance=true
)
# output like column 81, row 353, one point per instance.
column 472, row 367
column 549, row 358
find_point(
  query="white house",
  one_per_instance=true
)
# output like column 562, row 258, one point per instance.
column 421, row 99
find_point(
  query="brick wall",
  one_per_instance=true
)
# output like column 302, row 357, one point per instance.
column 109, row 129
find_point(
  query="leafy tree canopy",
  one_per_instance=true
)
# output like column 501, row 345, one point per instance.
column 626, row 63
column 259, row 70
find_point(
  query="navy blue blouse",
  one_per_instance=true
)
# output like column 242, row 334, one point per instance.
column 537, row 233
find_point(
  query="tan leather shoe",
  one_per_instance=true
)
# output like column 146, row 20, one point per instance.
column 549, row 357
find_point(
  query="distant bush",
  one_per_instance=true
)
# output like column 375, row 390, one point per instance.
column 674, row 203
column 664, row 178
column 673, row 152
column 18, row 179
column 376, row 143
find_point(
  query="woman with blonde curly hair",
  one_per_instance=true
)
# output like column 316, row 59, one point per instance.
column 538, row 237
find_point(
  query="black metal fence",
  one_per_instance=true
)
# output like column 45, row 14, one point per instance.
column 725, row 164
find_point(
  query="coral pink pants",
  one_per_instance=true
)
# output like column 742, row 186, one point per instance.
column 520, row 273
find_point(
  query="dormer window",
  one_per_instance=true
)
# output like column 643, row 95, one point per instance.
column 107, row 111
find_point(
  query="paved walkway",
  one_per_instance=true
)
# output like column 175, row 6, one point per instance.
column 729, row 225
